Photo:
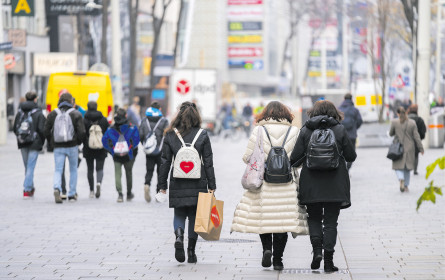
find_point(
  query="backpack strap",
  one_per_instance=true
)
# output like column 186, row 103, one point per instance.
column 179, row 136
column 156, row 126
column 58, row 112
column 285, row 138
column 267, row 133
column 196, row 137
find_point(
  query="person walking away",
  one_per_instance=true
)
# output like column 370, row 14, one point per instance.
column 93, row 151
column 29, row 125
column 151, row 132
column 352, row 120
column 406, row 132
column 183, row 195
column 421, row 128
column 273, row 211
column 66, row 130
column 134, row 112
column 324, row 182
column 121, row 140
column 247, row 116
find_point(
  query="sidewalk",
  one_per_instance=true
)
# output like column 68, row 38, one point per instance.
column 381, row 236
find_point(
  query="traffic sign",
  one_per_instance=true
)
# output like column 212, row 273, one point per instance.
column 5, row 46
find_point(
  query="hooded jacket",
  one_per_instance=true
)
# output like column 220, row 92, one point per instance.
column 321, row 185
column 353, row 118
column 94, row 117
column 152, row 121
column 38, row 121
column 79, row 128
column 184, row 192
column 130, row 133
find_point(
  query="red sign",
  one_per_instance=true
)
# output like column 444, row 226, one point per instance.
column 9, row 61
column 214, row 216
column 245, row 2
column 183, row 87
column 244, row 52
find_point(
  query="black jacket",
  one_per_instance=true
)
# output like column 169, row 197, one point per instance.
column 324, row 186
column 79, row 128
column 352, row 116
column 38, row 120
column 94, row 117
column 421, row 127
column 184, row 192
column 143, row 128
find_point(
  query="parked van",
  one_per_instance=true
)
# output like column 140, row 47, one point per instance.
column 85, row 87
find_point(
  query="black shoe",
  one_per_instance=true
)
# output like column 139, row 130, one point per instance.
column 317, row 248
column 179, row 245
column 267, row 258
column 63, row 196
column 191, row 251
column 415, row 173
column 329, row 262
column 72, row 198
column 130, row 196
column 57, row 196
column 278, row 265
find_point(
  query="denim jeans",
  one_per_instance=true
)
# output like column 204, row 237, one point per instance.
column 181, row 213
column 403, row 174
column 59, row 157
column 29, row 160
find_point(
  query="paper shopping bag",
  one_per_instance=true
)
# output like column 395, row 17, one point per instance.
column 209, row 216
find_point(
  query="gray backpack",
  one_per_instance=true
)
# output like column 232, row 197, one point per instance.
column 63, row 126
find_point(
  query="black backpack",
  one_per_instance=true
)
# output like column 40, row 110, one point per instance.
column 26, row 132
column 322, row 151
column 277, row 169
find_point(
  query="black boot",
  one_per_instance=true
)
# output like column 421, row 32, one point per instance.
column 191, row 251
column 279, row 243
column 179, row 245
column 266, row 241
column 317, row 247
column 329, row 262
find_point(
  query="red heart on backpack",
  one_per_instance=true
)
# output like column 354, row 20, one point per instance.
column 186, row 166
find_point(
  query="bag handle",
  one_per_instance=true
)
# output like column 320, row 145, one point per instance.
column 259, row 140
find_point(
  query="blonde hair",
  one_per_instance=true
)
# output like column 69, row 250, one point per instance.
column 402, row 114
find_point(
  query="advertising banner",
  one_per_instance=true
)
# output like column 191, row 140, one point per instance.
column 244, row 39
column 246, row 64
column 248, row 12
column 245, row 2
column 44, row 64
column 243, row 52
column 245, row 25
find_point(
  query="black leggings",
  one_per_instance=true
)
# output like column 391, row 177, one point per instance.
column 278, row 243
column 99, row 171
column 322, row 220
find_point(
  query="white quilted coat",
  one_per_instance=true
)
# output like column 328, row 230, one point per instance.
column 275, row 208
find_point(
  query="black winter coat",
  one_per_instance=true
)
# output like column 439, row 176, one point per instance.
column 38, row 121
column 94, row 117
column 421, row 127
column 324, row 186
column 184, row 192
column 352, row 116
column 143, row 129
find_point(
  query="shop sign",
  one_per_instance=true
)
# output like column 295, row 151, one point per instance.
column 244, row 39
column 17, row 37
column 245, row 25
column 70, row 7
column 245, row 2
column 22, row 8
column 240, row 52
column 44, row 64
column 246, row 64
column 15, row 62
column 244, row 12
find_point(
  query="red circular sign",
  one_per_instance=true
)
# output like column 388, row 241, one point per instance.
column 9, row 61
column 183, row 87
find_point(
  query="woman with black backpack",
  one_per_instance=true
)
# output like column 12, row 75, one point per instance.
column 272, row 210
column 323, row 148
column 185, row 144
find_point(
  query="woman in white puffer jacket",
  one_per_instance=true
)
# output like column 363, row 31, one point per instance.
column 273, row 211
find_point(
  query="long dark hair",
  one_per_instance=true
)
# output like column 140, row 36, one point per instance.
column 402, row 114
column 327, row 108
column 276, row 111
column 187, row 118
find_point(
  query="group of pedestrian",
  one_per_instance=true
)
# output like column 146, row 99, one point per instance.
column 66, row 128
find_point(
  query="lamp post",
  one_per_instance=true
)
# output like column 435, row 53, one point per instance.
column 438, row 47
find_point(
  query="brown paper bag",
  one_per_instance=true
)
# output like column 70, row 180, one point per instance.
column 209, row 216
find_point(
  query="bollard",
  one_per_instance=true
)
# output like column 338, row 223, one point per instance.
column 436, row 131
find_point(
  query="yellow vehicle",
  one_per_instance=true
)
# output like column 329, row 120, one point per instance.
column 84, row 87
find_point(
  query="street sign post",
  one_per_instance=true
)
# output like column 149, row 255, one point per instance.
column 5, row 46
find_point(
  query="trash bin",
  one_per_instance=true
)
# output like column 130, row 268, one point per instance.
column 436, row 131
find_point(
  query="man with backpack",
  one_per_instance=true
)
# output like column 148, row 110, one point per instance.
column 352, row 120
column 65, row 129
column 93, row 150
column 151, row 133
column 29, row 127
column 121, row 141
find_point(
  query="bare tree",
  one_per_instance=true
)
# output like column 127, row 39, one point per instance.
column 178, row 26
column 157, row 25
column 133, row 12
column 103, row 42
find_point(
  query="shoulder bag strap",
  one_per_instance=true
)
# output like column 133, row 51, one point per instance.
column 196, row 137
column 179, row 136
column 260, row 139
column 285, row 138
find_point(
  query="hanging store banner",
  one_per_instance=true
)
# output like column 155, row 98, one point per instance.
column 244, row 39
column 245, row 25
column 22, row 8
column 237, row 13
column 244, row 52
column 44, row 64
column 246, row 64
column 15, row 62
column 71, row 7
column 245, row 2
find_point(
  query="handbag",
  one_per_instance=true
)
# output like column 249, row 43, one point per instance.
column 395, row 150
column 253, row 175
column 209, row 216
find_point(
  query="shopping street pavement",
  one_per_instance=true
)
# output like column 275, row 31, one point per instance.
column 380, row 237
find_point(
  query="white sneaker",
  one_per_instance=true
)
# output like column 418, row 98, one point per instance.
column 91, row 194
column 147, row 192
column 161, row 197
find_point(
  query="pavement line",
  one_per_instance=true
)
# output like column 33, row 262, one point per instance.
column 344, row 255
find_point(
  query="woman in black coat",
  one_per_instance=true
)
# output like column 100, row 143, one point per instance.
column 324, row 192
column 184, row 192
column 92, row 116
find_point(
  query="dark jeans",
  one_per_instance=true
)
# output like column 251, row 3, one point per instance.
column 99, row 171
column 150, row 166
column 278, row 243
column 63, row 176
column 353, row 142
column 416, row 160
column 322, row 221
column 181, row 213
